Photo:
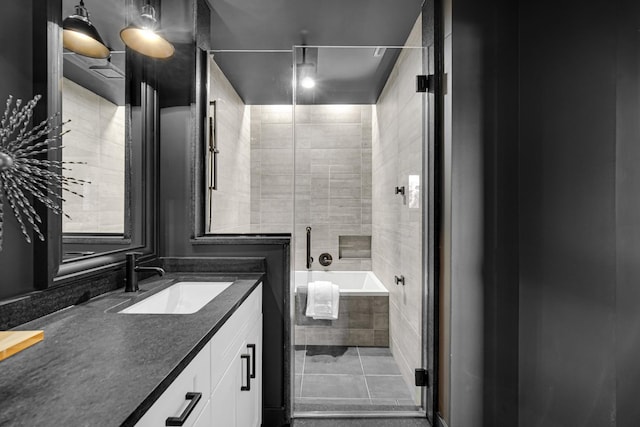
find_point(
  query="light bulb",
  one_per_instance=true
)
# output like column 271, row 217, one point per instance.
column 308, row 83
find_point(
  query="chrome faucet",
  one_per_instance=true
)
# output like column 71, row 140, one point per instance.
column 131, row 278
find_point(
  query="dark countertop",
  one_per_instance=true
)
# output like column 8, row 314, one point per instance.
column 96, row 367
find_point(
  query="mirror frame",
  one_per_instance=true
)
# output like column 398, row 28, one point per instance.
column 49, row 268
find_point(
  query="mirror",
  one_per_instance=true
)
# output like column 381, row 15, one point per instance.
column 98, row 139
column 93, row 101
column 36, row 65
column 126, row 163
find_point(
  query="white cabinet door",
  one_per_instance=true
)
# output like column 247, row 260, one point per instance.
column 224, row 396
column 235, row 401
column 249, row 409
column 237, row 398
column 257, row 331
column 205, row 417
column 228, row 340
column 250, row 401
column 186, row 396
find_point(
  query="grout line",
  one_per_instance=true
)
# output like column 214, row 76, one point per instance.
column 337, row 398
column 363, row 375
column 384, row 375
column 337, row 375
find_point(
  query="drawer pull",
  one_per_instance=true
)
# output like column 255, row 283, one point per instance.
column 253, row 359
column 178, row 421
column 248, row 386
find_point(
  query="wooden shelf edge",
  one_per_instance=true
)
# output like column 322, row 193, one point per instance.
column 12, row 342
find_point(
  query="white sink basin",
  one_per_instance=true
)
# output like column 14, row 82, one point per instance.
column 179, row 298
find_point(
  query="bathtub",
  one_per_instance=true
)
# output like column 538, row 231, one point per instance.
column 356, row 283
column 363, row 318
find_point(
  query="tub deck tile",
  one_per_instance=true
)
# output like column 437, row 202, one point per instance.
column 381, row 338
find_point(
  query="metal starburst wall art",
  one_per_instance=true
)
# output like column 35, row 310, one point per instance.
column 25, row 173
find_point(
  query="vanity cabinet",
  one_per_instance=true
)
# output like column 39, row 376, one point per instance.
column 236, row 398
column 249, row 408
column 222, row 385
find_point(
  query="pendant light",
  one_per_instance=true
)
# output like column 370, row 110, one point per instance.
column 80, row 36
column 144, row 38
column 306, row 75
column 306, row 72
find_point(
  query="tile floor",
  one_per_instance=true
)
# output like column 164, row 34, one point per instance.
column 369, row 422
column 336, row 378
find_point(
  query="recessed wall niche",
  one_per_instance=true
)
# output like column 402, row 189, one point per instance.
column 356, row 247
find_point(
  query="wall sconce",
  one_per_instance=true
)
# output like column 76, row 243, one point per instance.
column 80, row 36
column 144, row 38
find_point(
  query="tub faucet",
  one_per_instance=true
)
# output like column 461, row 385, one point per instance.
column 131, row 273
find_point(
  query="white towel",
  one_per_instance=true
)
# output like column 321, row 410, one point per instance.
column 322, row 300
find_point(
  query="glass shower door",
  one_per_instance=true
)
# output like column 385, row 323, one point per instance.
column 358, row 211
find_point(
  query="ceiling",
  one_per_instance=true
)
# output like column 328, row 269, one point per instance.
column 271, row 29
column 345, row 75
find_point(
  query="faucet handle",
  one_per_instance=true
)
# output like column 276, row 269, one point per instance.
column 133, row 255
column 131, row 259
column 131, row 278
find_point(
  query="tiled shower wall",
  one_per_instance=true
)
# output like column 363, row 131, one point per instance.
column 231, row 205
column 333, row 181
column 396, row 240
column 96, row 139
column 332, row 177
column 271, row 169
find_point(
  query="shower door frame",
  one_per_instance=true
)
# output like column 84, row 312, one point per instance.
column 432, row 161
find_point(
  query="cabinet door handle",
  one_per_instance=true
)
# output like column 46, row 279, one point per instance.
column 178, row 421
column 248, row 386
column 253, row 359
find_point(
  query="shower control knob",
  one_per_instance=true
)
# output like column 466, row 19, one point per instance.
column 325, row 259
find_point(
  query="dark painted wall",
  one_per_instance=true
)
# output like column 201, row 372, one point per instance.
column 627, row 195
column 16, row 257
column 545, row 240
column 500, row 219
column 483, row 195
column 579, row 214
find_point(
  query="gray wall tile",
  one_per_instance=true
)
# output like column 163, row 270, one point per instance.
column 231, row 202
column 333, row 135
column 97, row 138
column 276, row 135
column 329, row 163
